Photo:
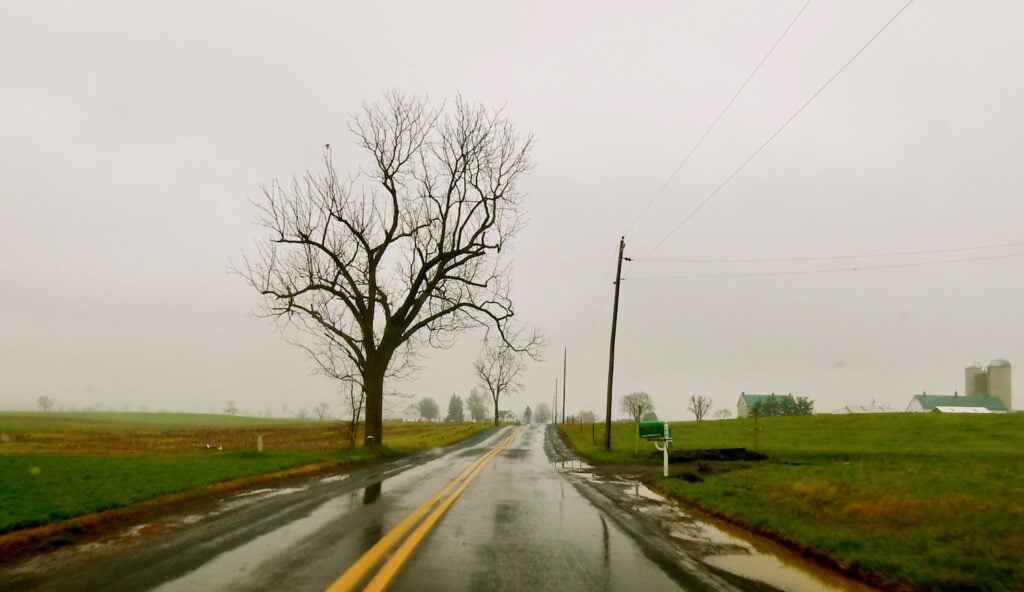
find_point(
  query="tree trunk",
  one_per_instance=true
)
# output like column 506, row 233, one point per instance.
column 373, row 385
column 496, row 411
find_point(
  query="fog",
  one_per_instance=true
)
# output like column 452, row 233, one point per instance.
column 134, row 135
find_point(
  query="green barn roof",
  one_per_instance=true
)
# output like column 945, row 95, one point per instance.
column 752, row 400
column 930, row 402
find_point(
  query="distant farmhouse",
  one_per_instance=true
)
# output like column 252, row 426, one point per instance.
column 988, row 391
column 411, row 413
column 745, row 406
column 505, row 416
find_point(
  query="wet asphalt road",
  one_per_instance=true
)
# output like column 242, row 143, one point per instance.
column 522, row 523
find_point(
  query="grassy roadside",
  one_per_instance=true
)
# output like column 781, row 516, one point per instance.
column 57, row 466
column 906, row 501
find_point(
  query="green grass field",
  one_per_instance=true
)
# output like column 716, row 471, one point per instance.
column 60, row 465
column 914, row 501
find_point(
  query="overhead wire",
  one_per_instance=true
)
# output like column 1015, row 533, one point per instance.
column 823, row 271
column 835, row 257
column 779, row 130
column 590, row 317
column 714, row 123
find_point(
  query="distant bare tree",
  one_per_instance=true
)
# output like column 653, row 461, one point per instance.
column 498, row 368
column 477, row 405
column 587, row 417
column 542, row 413
column 636, row 405
column 428, row 409
column 321, row 411
column 231, row 409
column 723, row 414
column 700, row 405
column 46, row 402
column 367, row 269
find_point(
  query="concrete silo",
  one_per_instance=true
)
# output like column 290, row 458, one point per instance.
column 999, row 382
column 975, row 380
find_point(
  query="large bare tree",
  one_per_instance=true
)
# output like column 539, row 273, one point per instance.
column 405, row 253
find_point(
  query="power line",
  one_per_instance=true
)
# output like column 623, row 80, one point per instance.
column 822, row 271
column 714, row 123
column 835, row 257
column 778, row 131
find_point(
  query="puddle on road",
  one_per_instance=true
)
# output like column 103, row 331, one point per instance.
column 726, row 547
column 745, row 554
column 574, row 465
column 240, row 500
column 237, row 564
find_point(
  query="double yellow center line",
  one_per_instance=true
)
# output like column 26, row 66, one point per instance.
column 422, row 519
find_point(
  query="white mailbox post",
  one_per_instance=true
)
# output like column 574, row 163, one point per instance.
column 658, row 431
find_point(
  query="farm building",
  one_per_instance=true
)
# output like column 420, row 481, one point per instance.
column 993, row 381
column 872, row 408
column 748, row 402
column 955, row 404
column 411, row 413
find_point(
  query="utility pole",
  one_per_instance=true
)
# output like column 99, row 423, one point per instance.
column 554, row 405
column 611, row 350
column 565, row 353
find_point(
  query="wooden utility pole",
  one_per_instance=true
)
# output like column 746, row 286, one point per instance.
column 554, row 405
column 565, row 353
column 611, row 350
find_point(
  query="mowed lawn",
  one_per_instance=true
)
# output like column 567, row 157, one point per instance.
column 60, row 465
column 909, row 501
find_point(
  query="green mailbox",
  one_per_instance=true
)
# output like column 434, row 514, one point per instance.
column 655, row 429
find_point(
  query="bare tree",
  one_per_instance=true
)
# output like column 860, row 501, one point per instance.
column 428, row 409
column 498, row 368
column 355, row 399
column 407, row 253
column 231, row 409
column 700, row 405
column 322, row 411
column 636, row 405
column 542, row 413
column 723, row 414
column 477, row 405
column 587, row 417
column 46, row 402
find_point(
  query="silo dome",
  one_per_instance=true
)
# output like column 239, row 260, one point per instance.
column 998, row 362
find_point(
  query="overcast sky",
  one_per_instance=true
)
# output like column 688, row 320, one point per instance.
column 134, row 134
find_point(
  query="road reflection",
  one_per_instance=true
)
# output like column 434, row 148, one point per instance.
column 372, row 492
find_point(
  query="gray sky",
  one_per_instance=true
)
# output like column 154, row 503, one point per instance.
column 132, row 136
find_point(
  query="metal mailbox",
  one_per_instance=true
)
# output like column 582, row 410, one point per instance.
column 655, row 430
